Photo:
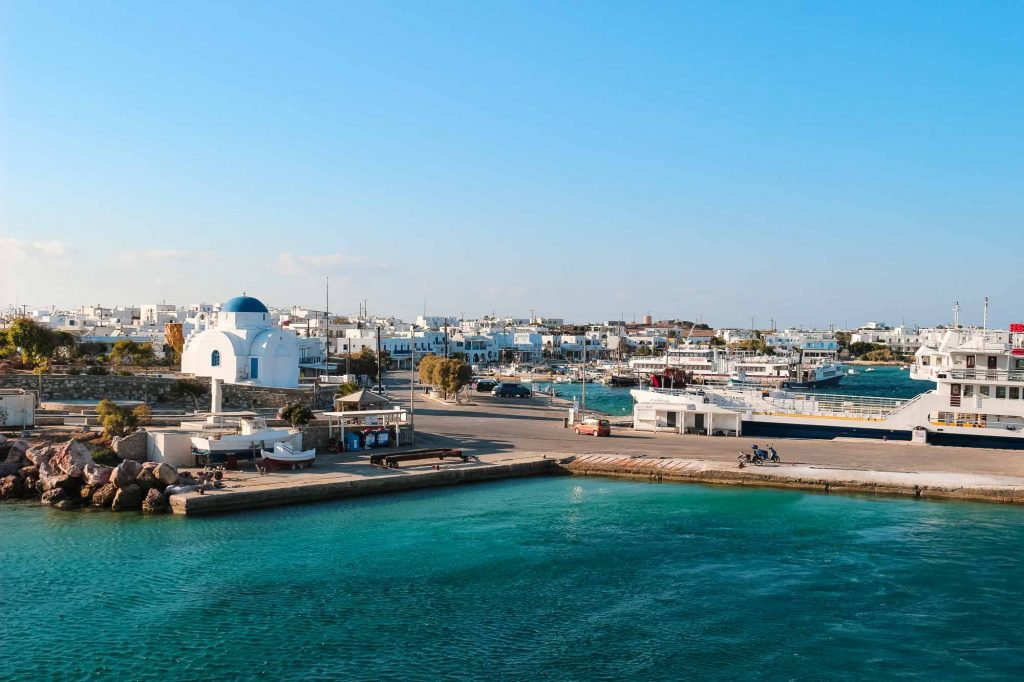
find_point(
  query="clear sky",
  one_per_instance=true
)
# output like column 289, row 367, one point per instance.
column 814, row 163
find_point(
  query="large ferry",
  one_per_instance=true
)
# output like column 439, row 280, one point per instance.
column 978, row 400
column 808, row 368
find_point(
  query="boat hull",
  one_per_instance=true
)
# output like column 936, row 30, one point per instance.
column 830, row 381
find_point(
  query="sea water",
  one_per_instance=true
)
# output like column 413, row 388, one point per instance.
column 539, row 579
column 882, row 382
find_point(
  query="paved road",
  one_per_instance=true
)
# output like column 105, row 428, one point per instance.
column 503, row 425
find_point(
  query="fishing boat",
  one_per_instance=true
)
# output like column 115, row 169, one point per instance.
column 283, row 456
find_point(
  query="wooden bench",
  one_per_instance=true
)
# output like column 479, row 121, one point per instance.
column 392, row 461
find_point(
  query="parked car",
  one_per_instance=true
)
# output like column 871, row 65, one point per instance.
column 486, row 385
column 511, row 391
column 594, row 427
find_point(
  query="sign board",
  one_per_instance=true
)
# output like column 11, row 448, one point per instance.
column 1017, row 327
column 1017, row 351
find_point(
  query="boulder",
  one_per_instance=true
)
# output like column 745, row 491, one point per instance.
column 40, row 454
column 71, row 458
column 3, row 440
column 125, row 473
column 97, row 474
column 166, row 474
column 128, row 498
column 87, row 492
column 8, row 468
column 104, row 495
column 146, row 479
column 67, row 504
column 155, row 502
column 19, row 450
column 11, row 487
column 54, row 495
column 30, row 471
column 134, row 446
column 14, row 455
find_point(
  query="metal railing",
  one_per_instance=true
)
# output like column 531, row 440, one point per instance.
column 979, row 373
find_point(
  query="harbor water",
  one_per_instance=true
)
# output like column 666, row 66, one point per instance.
column 540, row 579
column 882, row 382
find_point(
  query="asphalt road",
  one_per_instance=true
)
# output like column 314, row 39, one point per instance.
column 502, row 425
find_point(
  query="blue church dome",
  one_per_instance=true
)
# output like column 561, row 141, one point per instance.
column 244, row 304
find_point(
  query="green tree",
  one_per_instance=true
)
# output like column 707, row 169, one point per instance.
column 843, row 338
column 447, row 375
column 32, row 341
column 296, row 414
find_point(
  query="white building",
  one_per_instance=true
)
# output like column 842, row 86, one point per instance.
column 243, row 346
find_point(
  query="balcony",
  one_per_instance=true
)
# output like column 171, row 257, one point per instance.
column 980, row 374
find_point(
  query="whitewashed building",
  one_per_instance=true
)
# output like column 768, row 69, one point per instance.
column 243, row 346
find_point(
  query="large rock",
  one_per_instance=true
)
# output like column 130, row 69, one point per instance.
column 128, row 498
column 68, row 504
column 87, row 492
column 104, row 495
column 155, row 502
column 165, row 474
column 134, row 446
column 97, row 474
column 19, row 449
column 11, row 487
column 14, row 452
column 8, row 468
column 51, row 478
column 125, row 473
column 54, row 495
column 71, row 458
column 146, row 479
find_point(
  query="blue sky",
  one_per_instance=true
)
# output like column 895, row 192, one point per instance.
column 814, row 163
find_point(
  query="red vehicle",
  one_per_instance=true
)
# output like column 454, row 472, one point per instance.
column 594, row 427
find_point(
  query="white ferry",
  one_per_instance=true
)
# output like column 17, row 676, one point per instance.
column 978, row 401
column 810, row 368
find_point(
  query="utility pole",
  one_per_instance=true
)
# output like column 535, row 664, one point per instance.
column 412, row 395
column 583, row 389
column 380, row 388
column 327, row 331
column 446, row 338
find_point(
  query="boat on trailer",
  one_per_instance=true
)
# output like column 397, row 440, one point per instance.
column 284, row 456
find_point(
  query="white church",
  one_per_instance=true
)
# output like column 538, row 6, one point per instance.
column 243, row 346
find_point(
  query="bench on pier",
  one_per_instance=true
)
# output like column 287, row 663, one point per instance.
column 392, row 461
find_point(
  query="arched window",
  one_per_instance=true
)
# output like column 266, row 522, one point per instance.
column 215, row 359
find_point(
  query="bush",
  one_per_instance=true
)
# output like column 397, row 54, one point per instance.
column 116, row 420
column 74, row 371
column 96, row 370
column 296, row 414
column 125, row 373
column 105, row 457
column 143, row 415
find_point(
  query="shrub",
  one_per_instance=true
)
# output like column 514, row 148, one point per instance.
column 105, row 457
column 143, row 415
column 96, row 370
column 116, row 420
column 74, row 371
column 296, row 414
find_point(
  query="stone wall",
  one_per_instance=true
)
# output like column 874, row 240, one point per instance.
column 157, row 390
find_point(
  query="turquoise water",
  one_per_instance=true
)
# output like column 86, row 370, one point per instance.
column 882, row 382
column 542, row 579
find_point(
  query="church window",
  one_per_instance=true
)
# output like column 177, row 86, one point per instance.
column 215, row 359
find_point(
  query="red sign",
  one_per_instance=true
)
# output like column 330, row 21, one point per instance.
column 1017, row 351
column 1017, row 328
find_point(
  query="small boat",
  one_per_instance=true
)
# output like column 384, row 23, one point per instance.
column 870, row 369
column 851, row 371
column 284, row 456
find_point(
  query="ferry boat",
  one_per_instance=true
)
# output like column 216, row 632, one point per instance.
column 810, row 368
column 978, row 401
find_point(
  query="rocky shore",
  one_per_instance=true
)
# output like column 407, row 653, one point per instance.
column 66, row 477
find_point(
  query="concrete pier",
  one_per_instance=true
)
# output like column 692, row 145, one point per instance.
column 933, row 485
column 340, row 477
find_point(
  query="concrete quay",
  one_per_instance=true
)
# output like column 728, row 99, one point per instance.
column 927, row 485
column 341, row 476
